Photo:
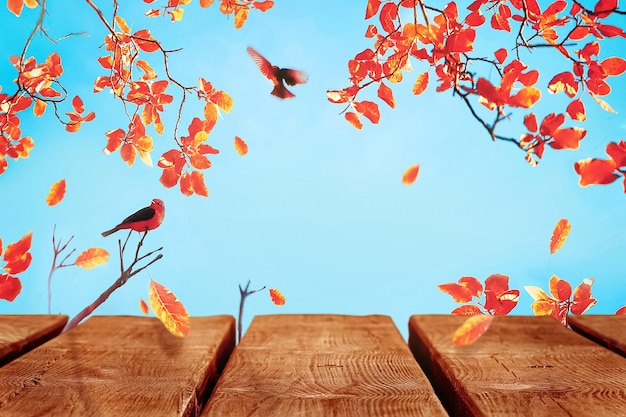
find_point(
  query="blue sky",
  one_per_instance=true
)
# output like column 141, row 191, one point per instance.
column 316, row 208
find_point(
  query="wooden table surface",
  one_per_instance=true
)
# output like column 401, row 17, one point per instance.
column 312, row 365
column 119, row 366
column 323, row 365
column 522, row 366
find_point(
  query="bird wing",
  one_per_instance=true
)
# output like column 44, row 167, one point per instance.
column 145, row 213
column 263, row 64
column 293, row 77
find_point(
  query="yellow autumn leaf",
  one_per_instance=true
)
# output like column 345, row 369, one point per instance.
column 91, row 258
column 168, row 309
column 559, row 235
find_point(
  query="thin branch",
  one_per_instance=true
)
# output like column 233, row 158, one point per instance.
column 57, row 250
column 244, row 292
column 125, row 275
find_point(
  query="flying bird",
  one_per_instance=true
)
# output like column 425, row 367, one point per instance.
column 278, row 75
column 142, row 220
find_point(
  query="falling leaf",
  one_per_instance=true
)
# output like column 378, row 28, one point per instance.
column 56, row 193
column 168, row 309
column 471, row 330
column 410, row 175
column 143, row 306
column 240, row 146
column 91, row 258
column 559, row 235
column 354, row 120
column 421, row 83
column 277, row 297
column 10, row 287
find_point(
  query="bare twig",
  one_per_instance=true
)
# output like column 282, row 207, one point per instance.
column 125, row 275
column 58, row 249
column 244, row 292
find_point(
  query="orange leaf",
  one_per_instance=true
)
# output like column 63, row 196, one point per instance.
column 410, row 175
column 16, row 250
column 241, row 14
column 56, row 193
column 263, row 5
column 197, row 182
column 614, row 65
column 559, row 288
column 206, row 3
column 420, row 84
column 168, row 309
column 471, row 330
column 501, row 55
column 240, row 146
column 143, row 306
column 372, row 8
column 354, row 120
column 91, row 258
column 559, row 235
column 277, row 297
column 40, row 108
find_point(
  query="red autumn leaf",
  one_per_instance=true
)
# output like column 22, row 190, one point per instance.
column 464, row 291
column 621, row 311
column 551, row 123
column 16, row 6
column 595, row 171
column 168, row 308
column 471, row 330
column 604, row 8
column 56, row 193
column 499, row 299
column 91, row 258
column 617, row 152
column 582, row 300
column 576, row 110
column 388, row 15
column 530, row 121
column 614, row 65
column 10, row 287
column 386, row 95
column 263, row 5
column 410, row 175
column 564, row 81
column 143, row 306
column 559, row 235
column 421, row 83
column 560, row 289
column 15, row 252
column 354, row 119
column 501, row 55
column 368, row 109
column 240, row 146
column 277, row 297
column 78, row 105
column 372, row 8
column 500, row 23
column 568, row 138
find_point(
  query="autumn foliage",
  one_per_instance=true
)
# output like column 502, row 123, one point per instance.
column 446, row 43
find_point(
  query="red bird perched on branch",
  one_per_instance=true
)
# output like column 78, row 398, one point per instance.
column 278, row 75
column 147, row 218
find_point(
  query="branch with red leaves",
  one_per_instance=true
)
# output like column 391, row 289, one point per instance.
column 445, row 40
column 125, row 275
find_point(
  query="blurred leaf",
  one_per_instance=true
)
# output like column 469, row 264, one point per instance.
column 410, row 175
column 471, row 330
column 91, row 258
column 240, row 146
column 559, row 235
column 56, row 193
column 143, row 306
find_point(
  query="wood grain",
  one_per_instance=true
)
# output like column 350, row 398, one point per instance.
column 608, row 331
column 119, row 366
column 19, row 334
column 322, row 365
column 522, row 366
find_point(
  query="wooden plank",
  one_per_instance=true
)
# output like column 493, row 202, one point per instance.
column 21, row 333
column 522, row 366
column 119, row 366
column 609, row 331
column 322, row 365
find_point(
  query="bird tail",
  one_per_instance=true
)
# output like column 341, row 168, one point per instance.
column 281, row 91
column 110, row 232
